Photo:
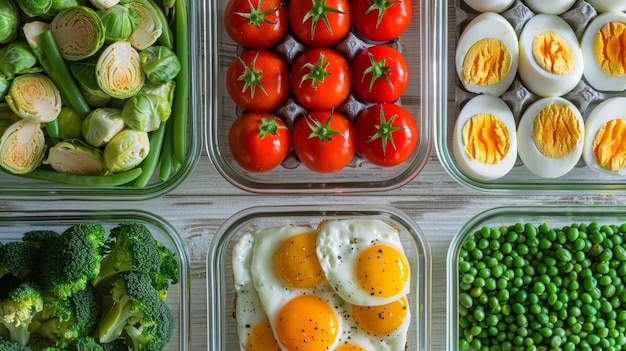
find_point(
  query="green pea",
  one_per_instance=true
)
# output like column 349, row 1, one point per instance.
column 463, row 345
column 563, row 254
column 466, row 300
column 518, row 308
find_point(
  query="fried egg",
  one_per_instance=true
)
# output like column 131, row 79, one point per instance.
column 604, row 51
column 554, row 7
column 608, row 5
column 605, row 140
column 363, row 261
column 484, row 140
column 489, row 5
column 550, row 137
column 550, row 60
column 487, row 54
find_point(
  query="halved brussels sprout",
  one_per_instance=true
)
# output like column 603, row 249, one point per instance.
column 101, row 125
column 150, row 25
column 75, row 157
column 165, row 90
column 22, row 147
column 126, row 150
column 35, row 8
column 85, row 74
column 145, row 112
column 17, row 58
column 9, row 21
column 118, row 70
column 78, row 32
column 104, row 4
column 120, row 22
column 70, row 124
column 160, row 64
column 34, row 97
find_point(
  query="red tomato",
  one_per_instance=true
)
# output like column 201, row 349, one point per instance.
column 259, row 141
column 320, row 79
column 256, row 24
column 324, row 140
column 381, row 20
column 386, row 134
column 320, row 22
column 379, row 74
column 258, row 80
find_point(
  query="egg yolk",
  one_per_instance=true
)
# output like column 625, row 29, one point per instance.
column 556, row 131
column 296, row 261
column 609, row 145
column 486, row 138
column 487, row 62
column 307, row 323
column 261, row 338
column 553, row 53
column 609, row 48
column 350, row 347
column 383, row 319
column 382, row 270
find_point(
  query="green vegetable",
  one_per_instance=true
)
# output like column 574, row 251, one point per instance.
column 118, row 70
column 145, row 112
column 18, row 259
column 8, row 345
column 35, row 8
column 120, row 22
column 181, row 108
column 126, row 150
column 17, row 58
column 150, row 24
column 85, row 74
column 150, row 162
column 69, row 124
column 109, row 180
column 75, row 157
column 9, row 21
column 160, row 64
column 104, row 4
column 101, row 125
column 78, row 32
column 18, row 309
column 22, row 147
column 34, row 97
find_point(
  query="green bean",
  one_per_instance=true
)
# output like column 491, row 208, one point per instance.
column 180, row 109
column 111, row 180
column 52, row 128
column 166, row 153
column 149, row 164
column 5, row 108
column 62, row 76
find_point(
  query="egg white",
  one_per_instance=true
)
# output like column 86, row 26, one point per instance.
column 593, row 73
column 473, row 168
column 608, row 5
column 532, row 158
column 489, row 5
column 535, row 78
column 554, row 7
column 606, row 111
column 488, row 25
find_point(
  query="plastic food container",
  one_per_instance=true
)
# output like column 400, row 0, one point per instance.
column 14, row 224
column 221, row 292
column 553, row 216
column 292, row 176
column 449, row 97
column 25, row 188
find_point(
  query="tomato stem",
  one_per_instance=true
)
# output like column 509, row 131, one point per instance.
column 256, row 17
column 318, row 11
column 381, row 6
column 378, row 69
column 317, row 72
column 269, row 126
column 319, row 130
column 385, row 130
column 250, row 77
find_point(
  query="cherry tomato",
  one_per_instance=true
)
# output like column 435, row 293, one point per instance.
column 324, row 141
column 379, row 74
column 320, row 79
column 320, row 22
column 386, row 134
column 259, row 141
column 258, row 80
column 381, row 20
column 256, row 24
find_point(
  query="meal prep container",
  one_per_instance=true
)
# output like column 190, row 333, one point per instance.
column 291, row 176
column 553, row 216
column 222, row 329
column 24, row 188
column 449, row 96
column 14, row 224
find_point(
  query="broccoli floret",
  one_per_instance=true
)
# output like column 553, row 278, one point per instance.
column 18, row 259
column 72, row 260
column 115, row 345
column 167, row 273
column 39, row 238
column 149, row 335
column 18, row 309
column 85, row 343
column 8, row 345
column 133, row 301
column 132, row 248
column 65, row 320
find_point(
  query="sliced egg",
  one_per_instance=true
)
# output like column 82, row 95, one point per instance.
column 487, row 54
column 484, row 140
column 605, row 137
column 554, row 7
column 550, row 62
column 550, row 137
column 608, row 5
column 489, row 5
column 604, row 51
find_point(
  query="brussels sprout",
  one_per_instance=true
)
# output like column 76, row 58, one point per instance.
column 150, row 25
column 34, row 97
column 101, row 125
column 126, row 150
column 118, row 70
column 60, row 5
column 104, row 4
column 85, row 74
column 145, row 112
column 70, row 124
column 35, row 8
column 5, row 84
column 160, row 64
column 119, row 23
column 164, row 90
column 78, row 32
column 75, row 157
column 9, row 21
column 17, row 58
column 22, row 147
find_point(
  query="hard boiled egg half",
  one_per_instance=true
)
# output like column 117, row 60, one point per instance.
column 550, row 62
column 487, row 54
column 489, row 5
column 608, row 5
column 484, row 141
column 605, row 141
column 554, row 7
column 604, row 50
column 550, row 137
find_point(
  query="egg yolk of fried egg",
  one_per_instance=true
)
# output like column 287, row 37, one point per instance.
column 604, row 49
column 307, row 322
column 382, row 270
column 261, row 338
column 350, row 347
column 296, row 261
column 605, row 142
column 383, row 319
